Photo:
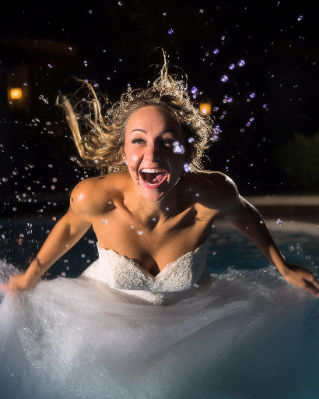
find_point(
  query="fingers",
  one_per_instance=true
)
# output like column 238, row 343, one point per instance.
column 314, row 282
column 310, row 288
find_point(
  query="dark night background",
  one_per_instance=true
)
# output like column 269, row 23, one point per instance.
column 275, row 93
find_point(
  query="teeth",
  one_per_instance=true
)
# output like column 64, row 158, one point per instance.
column 152, row 171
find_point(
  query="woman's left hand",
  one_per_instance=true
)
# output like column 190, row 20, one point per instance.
column 302, row 278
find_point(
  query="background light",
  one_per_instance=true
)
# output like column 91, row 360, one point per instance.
column 15, row 93
column 205, row 108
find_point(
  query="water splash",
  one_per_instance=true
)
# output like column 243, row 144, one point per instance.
column 45, row 100
column 280, row 222
column 187, row 168
column 194, row 90
column 178, row 148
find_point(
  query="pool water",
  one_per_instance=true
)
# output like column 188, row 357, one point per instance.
column 20, row 240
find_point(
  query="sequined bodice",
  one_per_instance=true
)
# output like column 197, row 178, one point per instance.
column 126, row 274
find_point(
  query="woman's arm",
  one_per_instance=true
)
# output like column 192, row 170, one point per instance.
column 249, row 221
column 63, row 236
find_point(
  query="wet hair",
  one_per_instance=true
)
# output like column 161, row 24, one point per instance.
column 105, row 124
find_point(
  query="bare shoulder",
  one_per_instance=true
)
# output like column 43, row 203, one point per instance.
column 216, row 183
column 214, row 190
column 97, row 194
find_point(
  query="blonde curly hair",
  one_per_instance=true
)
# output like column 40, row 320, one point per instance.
column 105, row 124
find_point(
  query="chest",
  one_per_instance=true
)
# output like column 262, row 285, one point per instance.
column 156, row 243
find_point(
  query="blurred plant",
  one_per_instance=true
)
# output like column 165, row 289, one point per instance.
column 299, row 159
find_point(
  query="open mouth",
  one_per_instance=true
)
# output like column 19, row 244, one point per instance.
column 153, row 178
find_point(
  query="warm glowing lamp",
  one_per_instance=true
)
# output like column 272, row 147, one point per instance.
column 15, row 93
column 205, row 108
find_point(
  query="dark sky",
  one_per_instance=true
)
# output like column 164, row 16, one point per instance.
column 275, row 93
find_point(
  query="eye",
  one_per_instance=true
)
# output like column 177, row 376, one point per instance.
column 138, row 141
column 168, row 142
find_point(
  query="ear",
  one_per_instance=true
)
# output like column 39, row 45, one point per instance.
column 123, row 153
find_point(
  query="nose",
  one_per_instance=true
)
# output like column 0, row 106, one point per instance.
column 152, row 152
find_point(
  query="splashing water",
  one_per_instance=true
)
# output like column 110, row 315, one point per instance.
column 194, row 90
column 187, row 168
column 45, row 100
column 280, row 222
column 178, row 148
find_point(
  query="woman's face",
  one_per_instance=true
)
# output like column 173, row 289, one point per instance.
column 154, row 151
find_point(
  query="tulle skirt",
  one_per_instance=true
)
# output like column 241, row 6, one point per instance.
column 249, row 335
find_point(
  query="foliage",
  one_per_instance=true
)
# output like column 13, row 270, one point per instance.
column 299, row 159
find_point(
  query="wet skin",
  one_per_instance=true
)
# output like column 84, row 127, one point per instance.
column 155, row 213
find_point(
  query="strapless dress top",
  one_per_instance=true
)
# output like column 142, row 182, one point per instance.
column 122, row 273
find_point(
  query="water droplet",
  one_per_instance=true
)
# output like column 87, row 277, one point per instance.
column 241, row 63
column 178, row 148
column 231, row 66
column 252, row 95
column 201, row 11
column 280, row 222
column 49, row 65
column 191, row 140
column 139, row 232
column 119, row 3
column 187, row 168
column 170, row 31
column 265, row 106
column 216, row 51
column 104, row 221
column 70, row 48
column 224, row 78
column 43, row 99
column 215, row 109
column 194, row 90
column 300, row 17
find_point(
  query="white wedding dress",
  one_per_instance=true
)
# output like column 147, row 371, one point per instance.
column 118, row 332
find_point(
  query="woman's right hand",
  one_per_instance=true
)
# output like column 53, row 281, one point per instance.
column 18, row 283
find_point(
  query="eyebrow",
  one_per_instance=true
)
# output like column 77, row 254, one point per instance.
column 145, row 132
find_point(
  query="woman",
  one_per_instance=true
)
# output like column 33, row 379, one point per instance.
column 152, row 219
